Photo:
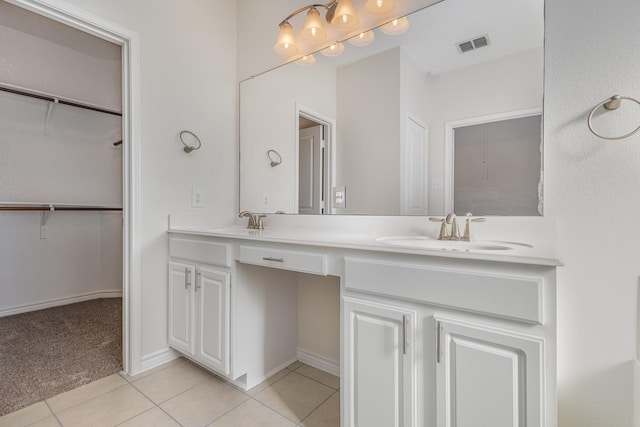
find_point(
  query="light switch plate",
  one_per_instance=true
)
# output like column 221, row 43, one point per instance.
column 340, row 197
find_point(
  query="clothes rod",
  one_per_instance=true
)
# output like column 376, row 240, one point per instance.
column 50, row 98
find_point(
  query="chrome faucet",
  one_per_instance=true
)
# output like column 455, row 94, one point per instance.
column 255, row 221
column 450, row 222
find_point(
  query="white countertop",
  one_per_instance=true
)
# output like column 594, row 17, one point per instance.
column 539, row 253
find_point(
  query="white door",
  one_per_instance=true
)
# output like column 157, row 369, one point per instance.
column 488, row 377
column 414, row 169
column 380, row 372
column 181, row 306
column 213, row 290
column 311, row 171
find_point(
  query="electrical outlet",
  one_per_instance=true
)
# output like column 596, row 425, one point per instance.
column 265, row 200
column 196, row 198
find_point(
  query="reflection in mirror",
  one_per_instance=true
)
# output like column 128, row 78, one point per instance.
column 388, row 117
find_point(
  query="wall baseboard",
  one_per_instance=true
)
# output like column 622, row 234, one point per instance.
column 319, row 362
column 58, row 302
column 156, row 358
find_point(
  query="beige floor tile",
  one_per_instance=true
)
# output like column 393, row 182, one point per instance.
column 204, row 403
column 295, row 365
column 155, row 417
column 151, row 371
column 252, row 414
column 167, row 383
column 86, row 392
column 320, row 376
column 295, row 396
column 109, row 409
column 266, row 383
column 47, row 422
column 327, row 415
column 25, row 416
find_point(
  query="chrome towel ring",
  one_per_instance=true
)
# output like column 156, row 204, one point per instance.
column 611, row 104
column 274, row 157
column 191, row 138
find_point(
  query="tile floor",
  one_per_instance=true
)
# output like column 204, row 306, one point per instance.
column 181, row 394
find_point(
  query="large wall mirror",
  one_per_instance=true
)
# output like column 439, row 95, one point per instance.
column 444, row 117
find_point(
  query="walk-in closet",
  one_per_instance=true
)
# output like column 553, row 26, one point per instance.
column 61, row 198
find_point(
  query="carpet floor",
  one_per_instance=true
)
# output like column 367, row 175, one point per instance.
column 47, row 352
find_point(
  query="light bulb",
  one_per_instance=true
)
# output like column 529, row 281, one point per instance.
column 286, row 44
column 313, row 29
column 363, row 39
column 380, row 6
column 334, row 50
column 397, row 26
column 345, row 15
column 306, row 61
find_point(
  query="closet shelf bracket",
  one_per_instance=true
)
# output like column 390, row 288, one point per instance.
column 47, row 119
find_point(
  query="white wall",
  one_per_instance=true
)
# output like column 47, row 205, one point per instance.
column 188, row 81
column 587, row 181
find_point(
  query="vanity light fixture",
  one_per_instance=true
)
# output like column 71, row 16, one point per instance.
column 363, row 39
column 340, row 13
column 306, row 61
column 397, row 26
column 334, row 50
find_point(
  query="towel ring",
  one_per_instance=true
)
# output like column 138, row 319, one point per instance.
column 187, row 147
column 611, row 104
column 274, row 157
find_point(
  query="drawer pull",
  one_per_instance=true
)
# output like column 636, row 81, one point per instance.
column 187, row 278
column 269, row 258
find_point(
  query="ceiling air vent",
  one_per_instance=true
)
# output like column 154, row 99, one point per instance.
column 475, row 43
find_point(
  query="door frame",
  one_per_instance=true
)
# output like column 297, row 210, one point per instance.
column 449, row 128
column 330, row 153
column 83, row 20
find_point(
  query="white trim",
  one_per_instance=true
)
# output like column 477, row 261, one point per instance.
column 318, row 361
column 448, row 143
column 83, row 20
column 158, row 358
column 331, row 150
column 56, row 302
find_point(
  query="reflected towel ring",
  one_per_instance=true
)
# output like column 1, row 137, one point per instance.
column 274, row 157
column 611, row 104
column 191, row 136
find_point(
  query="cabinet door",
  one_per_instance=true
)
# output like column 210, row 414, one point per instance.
column 488, row 377
column 181, row 306
column 213, row 291
column 379, row 365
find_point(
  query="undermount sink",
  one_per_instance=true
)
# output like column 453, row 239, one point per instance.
column 423, row 242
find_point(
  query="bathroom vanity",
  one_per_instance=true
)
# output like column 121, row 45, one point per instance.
column 430, row 335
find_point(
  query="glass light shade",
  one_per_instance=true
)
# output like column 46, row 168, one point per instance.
column 345, row 15
column 334, row 50
column 286, row 44
column 397, row 26
column 306, row 61
column 313, row 29
column 380, row 6
column 363, row 39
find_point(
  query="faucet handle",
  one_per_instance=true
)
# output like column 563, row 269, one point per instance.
column 467, row 225
column 259, row 223
column 443, row 227
column 434, row 219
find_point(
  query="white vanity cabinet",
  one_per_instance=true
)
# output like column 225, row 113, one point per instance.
column 380, row 372
column 199, row 303
column 487, row 376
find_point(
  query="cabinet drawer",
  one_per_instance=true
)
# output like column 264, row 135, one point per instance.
column 200, row 251
column 511, row 296
column 306, row 262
